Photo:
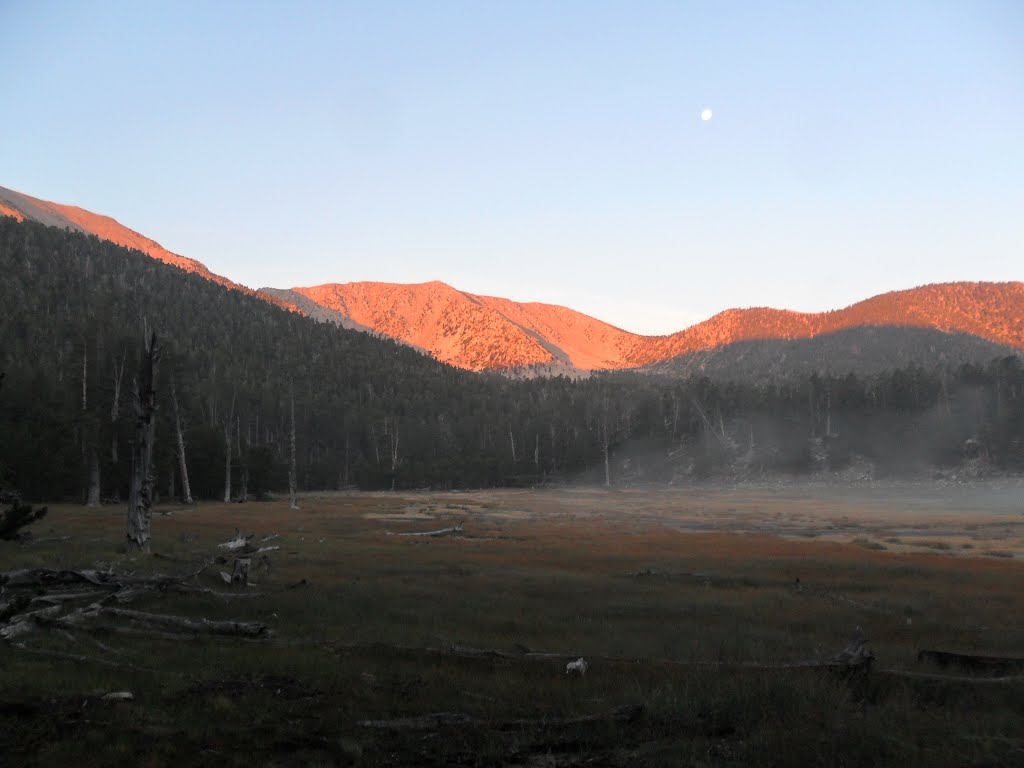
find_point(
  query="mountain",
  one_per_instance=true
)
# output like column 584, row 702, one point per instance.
column 23, row 207
column 468, row 330
column 478, row 332
column 990, row 311
column 485, row 332
column 868, row 350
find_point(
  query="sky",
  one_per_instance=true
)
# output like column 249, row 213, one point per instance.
column 540, row 151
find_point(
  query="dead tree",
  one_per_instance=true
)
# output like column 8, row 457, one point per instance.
column 92, row 498
column 140, row 495
column 228, row 424
column 115, row 408
column 292, row 472
column 604, row 431
column 243, row 491
column 392, row 435
column 186, row 489
column 90, row 428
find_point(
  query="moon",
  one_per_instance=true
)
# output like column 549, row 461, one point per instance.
column 705, row 115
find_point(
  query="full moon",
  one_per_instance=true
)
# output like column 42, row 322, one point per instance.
column 705, row 115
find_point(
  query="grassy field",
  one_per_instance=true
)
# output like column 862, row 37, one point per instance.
column 684, row 603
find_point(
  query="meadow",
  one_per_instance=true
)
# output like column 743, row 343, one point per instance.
column 703, row 615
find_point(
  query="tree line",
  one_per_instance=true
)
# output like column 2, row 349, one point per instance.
column 252, row 399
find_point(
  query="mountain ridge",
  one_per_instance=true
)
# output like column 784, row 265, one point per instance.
column 478, row 332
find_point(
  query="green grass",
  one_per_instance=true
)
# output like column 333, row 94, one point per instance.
column 362, row 641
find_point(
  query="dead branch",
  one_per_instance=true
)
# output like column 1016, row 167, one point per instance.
column 237, row 542
column 442, row 532
column 856, row 654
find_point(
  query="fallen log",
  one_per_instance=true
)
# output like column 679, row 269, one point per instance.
column 193, row 626
column 991, row 665
column 80, row 658
column 15, row 605
column 441, row 532
column 48, row 577
column 437, row 720
column 429, row 722
column 67, row 597
column 25, row 622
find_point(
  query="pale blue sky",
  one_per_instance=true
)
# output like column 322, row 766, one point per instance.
column 541, row 151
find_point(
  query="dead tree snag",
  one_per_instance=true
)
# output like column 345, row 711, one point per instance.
column 140, row 496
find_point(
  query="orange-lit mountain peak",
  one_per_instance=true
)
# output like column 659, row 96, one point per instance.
column 479, row 332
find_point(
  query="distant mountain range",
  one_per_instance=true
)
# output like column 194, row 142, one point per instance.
column 952, row 322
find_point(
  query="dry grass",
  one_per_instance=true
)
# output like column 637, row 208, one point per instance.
column 667, row 608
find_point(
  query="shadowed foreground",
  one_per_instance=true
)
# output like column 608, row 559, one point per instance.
column 703, row 648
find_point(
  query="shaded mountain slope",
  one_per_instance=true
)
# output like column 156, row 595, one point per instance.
column 868, row 350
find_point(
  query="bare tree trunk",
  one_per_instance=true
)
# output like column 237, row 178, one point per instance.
column 186, row 490
column 115, row 408
column 93, row 497
column 242, row 454
column 227, row 451
column 605, row 436
column 89, row 441
column 346, row 460
column 227, row 463
column 376, row 448
column 512, row 442
column 393, row 434
column 607, row 468
column 141, row 491
column 85, row 375
column 292, row 471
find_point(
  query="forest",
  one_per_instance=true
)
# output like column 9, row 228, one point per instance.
column 238, row 377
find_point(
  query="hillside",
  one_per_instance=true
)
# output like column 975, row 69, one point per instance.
column 990, row 311
column 479, row 333
column 23, row 207
column 471, row 331
column 485, row 332
column 376, row 414
column 868, row 350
